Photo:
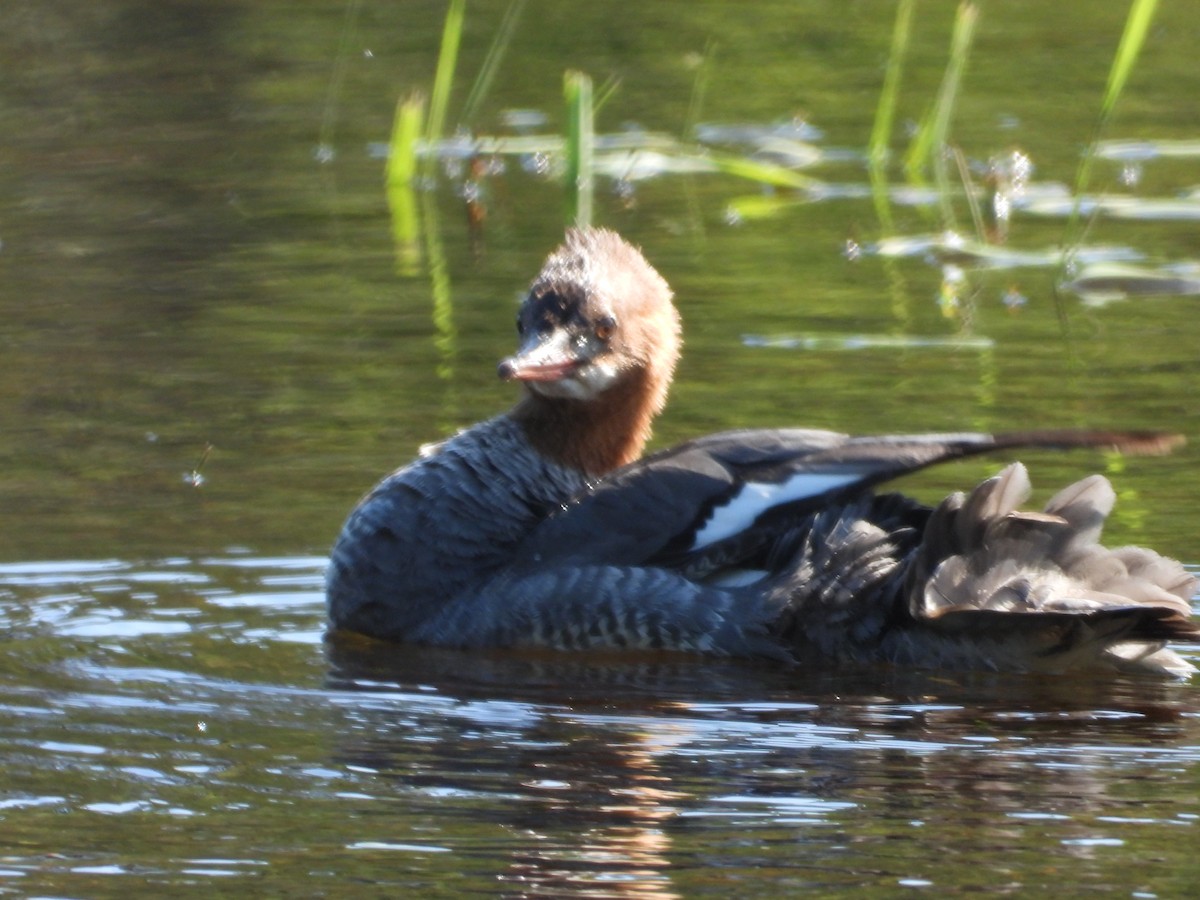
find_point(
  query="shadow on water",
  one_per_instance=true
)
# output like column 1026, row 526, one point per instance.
column 664, row 680
column 197, row 705
column 612, row 769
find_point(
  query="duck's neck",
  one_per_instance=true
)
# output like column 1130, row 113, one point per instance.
column 599, row 435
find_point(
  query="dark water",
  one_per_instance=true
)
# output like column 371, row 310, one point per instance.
column 209, row 352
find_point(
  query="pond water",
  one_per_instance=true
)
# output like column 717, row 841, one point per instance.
column 212, row 346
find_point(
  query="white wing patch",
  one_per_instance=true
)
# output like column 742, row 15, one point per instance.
column 755, row 498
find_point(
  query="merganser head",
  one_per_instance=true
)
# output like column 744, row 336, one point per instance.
column 595, row 314
column 599, row 332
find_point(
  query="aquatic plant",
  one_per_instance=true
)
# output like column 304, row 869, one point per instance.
column 929, row 142
column 443, row 77
column 878, row 149
column 1137, row 23
column 578, row 175
column 779, row 158
column 400, row 176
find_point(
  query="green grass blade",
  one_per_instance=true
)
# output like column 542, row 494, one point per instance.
column 885, row 112
column 444, row 76
column 1137, row 23
column 604, row 93
column 1141, row 13
column 964, row 176
column 400, row 182
column 491, row 62
column 935, row 127
column 577, row 88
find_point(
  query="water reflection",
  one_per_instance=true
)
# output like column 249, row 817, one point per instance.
column 544, row 774
column 609, row 768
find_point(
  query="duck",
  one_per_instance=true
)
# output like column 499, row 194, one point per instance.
column 547, row 526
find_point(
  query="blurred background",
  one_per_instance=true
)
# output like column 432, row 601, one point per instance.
column 198, row 274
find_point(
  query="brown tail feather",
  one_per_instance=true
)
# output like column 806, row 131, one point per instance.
column 1135, row 443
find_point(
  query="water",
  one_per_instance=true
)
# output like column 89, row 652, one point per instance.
column 209, row 353
column 184, row 723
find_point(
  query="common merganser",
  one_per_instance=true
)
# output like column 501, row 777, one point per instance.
column 544, row 526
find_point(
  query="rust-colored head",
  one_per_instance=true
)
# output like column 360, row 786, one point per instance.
column 599, row 342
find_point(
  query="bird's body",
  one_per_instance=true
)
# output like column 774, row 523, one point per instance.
column 545, row 526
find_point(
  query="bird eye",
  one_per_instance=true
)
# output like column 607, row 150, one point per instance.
column 604, row 328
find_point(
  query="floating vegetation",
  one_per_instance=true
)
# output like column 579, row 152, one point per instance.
column 1144, row 151
column 465, row 146
column 1154, row 209
column 952, row 247
column 788, row 153
column 763, row 172
column 759, row 206
column 755, row 134
column 783, row 159
column 816, row 341
column 523, row 120
column 1102, row 283
column 642, row 165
